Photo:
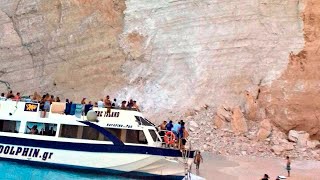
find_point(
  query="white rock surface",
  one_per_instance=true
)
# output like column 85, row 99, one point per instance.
column 208, row 50
column 165, row 54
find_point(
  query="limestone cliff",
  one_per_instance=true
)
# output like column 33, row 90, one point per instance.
column 169, row 54
column 293, row 101
column 183, row 54
column 65, row 47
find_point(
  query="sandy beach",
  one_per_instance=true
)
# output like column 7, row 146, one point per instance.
column 247, row 168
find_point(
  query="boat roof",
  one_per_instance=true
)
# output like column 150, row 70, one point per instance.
column 106, row 117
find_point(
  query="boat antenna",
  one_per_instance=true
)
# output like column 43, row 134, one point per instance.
column 7, row 84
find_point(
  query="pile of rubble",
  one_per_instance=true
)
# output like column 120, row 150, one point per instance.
column 226, row 131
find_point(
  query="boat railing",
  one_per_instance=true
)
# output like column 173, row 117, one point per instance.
column 176, row 145
column 162, row 134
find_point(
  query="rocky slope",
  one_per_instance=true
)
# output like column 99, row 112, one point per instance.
column 226, row 131
column 258, row 56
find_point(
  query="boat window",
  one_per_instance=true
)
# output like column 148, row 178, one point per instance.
column 149, row 122
column 154, row 135
column 115, row 132
column 9, row 126
column 81, row 132
column 143, row 121
column 46, row 129
column 136, row 136
column 68, row 131
column 90, row 133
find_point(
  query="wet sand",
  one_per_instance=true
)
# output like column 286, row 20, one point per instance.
column 247, row 168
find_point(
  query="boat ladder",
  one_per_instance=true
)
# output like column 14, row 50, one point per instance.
column 185, row 156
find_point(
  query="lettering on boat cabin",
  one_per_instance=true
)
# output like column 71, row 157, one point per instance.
column 107, row 114
column 25, row 152
column 31, row 107
column 119, row 125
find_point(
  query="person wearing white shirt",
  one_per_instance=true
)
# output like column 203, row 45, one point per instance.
column 100, row 103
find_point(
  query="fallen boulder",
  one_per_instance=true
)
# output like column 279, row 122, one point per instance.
column 238, row 122
column 300, row 137
column 265, row 130
column 219, row 122
column 277, row 149
column 312, row 144
column 224, row 113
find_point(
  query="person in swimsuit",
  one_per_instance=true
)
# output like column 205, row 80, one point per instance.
column 197, row 159
column 288, row 165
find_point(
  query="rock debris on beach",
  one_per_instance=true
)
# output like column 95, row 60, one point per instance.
column 246, row 138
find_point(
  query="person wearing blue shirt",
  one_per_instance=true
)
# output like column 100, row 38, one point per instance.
column 169, row 126
column 176, row 128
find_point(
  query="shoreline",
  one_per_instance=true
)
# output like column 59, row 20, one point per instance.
column 244, row 168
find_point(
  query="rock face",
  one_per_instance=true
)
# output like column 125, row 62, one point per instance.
column 170, row 54
column 162, row 53
column 211, row 51
column 69, row 48
column 293, row 101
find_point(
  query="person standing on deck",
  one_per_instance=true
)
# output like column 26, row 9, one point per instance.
column 100, row 104
column 107, row 102
column 169, row 126
column 162, row 128
column 83, row 103
column 175, row 129
column 2, row 97
column 10, row 95
column 135, row 106
column 46, row 105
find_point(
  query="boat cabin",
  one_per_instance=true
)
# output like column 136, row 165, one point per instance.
column 23, row 119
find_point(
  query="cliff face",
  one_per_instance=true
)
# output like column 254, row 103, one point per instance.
column 169, row 54
column 292, row 101
column 65, row 47
column 184, row 54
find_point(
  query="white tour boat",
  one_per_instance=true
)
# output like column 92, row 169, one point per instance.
column 115, row 141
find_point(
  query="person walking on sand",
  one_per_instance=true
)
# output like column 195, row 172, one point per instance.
column 288, row 165
column 197, row 159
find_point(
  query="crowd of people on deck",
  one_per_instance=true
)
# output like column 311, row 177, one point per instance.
column 178, row 129
column 46, row 100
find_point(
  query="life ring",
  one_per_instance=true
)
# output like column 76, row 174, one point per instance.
column 169, row 137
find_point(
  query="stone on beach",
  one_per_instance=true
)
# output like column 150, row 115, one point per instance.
column 277, row 149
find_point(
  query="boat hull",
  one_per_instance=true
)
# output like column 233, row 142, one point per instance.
column 114, row 160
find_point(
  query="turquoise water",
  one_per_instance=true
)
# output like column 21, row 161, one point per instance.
column 17, row 171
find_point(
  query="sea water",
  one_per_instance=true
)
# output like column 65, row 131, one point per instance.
column 17, row 171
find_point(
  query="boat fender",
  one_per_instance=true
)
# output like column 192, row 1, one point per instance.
column 92, row 115
column 169, row 137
